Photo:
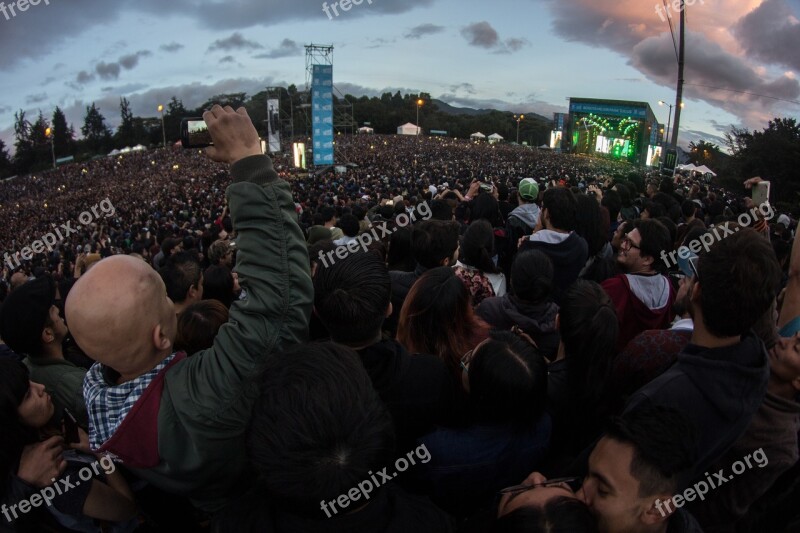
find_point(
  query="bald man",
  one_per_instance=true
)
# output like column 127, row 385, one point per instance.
column 176, row 421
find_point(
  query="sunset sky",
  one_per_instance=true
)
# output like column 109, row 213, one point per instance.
column 513, row 55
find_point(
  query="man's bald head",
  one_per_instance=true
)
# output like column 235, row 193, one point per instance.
column 18, row 279
column 119, row 314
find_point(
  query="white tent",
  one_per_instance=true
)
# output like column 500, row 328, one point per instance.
column 368, row 130
column 689, row 167
column 408, row 129
column 114, row 152
column 705, row 170
column 477, row 136
column 495, row 138
column 138, row 148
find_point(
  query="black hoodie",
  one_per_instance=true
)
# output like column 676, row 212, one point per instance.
column 537, row 320
column 417, row 389
column 719, row 389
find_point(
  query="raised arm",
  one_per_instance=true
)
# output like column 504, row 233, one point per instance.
column 273, row 268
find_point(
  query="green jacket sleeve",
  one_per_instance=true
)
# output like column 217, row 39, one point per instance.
column 215, row 385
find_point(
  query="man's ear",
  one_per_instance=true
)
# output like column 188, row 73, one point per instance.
column 48, row 335
column 160, row 340
column 648, row 261
column 389, row 310
column 660, row 510
column 696, row 293
column 558, row 321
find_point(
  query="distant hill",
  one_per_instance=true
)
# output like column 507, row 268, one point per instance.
column 444, row 107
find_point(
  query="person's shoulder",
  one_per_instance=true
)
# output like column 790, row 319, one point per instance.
column 614, row 282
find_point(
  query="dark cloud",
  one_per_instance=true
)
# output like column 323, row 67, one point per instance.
column 466, row 87
column 422, row 30
column 62, row 21
column 131, row 60
column 171, row 47
column 771, row 33
column 227, row 59
column 481, row 34
column 125, row 89
column 84, row 77
column 107, row 71
column 48, row 80
column 380, row 42
column 710, row 67
column 287, row 48
column 516, row 44
column 235, row 42
column 36, row 98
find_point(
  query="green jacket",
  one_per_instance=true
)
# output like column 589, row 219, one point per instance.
column 63, row 381
column 203, row 402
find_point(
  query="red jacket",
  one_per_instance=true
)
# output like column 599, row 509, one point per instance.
column 633, row 315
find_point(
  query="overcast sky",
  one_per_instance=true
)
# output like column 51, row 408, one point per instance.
column 517, row 55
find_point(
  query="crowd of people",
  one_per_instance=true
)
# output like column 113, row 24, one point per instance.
column 438, row 336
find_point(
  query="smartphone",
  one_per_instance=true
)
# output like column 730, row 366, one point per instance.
column 693, row 264
column 194, row 133
column 761, row 193
column 70, row 428
column 487, row 187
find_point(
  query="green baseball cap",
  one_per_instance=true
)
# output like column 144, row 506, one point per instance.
column 529, row 189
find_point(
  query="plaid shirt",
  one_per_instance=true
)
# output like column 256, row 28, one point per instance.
column 107, row 405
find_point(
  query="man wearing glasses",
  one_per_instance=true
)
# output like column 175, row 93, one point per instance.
column 642, row 295
column 634, row 472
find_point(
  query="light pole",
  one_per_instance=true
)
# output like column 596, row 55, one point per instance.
column 518, row 119
column 163, row 129
column 669, row 121
column 419, row 104
column 49, row 133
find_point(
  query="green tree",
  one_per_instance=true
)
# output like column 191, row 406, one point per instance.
column 773, row 154
column 24, row 156
column 126, row 133
column 63, row 135
column 173, row 116
column 95, row 131
column 6, row 168
column 704, row 153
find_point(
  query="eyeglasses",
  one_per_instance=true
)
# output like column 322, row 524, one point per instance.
column 574, row 483
column 628, row 243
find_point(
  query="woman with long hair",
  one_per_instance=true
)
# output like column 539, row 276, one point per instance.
column 577, row 378
column 32, row 453
column 475, row 267
column 506, row 378
column 437, row 319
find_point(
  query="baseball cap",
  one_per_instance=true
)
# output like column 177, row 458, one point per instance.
column 529, row 189
column 24, row 314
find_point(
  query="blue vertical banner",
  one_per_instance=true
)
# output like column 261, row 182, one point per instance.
column 322, row 113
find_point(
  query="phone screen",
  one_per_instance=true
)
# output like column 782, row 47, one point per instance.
column 761, row 193
column 194, row 133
